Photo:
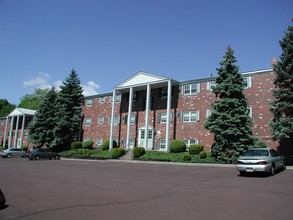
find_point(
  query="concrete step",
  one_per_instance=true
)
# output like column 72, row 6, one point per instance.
column 127, row 156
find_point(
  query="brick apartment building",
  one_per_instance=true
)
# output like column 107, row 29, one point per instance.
column 149, row 110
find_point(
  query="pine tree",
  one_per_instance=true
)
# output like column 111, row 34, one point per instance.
column 69, row 103
column 229, row 121
column 282, row 106
column 41, row 128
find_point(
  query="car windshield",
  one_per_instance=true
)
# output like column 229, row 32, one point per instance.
column 256, row 153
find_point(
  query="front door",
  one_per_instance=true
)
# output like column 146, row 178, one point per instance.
column 149, row 139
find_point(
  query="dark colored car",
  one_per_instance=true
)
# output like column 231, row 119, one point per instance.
column 12, row 152
column 38, row 153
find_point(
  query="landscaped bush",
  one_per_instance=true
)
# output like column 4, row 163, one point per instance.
column 106, row 144
column 76, row 145
column 261, row 145
column 177, row 146
column 117, row 152
column 203, row 154
column 2, row 148
column 24, row 148
column 138, row 152
column 87, row 144
column 186, row 157
column 195, row 148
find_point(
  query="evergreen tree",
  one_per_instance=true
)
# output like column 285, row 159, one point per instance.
column 41, row 128
column 282, row 106
column 229, row 121
column 69, row 104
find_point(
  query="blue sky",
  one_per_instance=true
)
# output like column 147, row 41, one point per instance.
column 108, row 41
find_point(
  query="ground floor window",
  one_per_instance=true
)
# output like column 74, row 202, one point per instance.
column 189, row 142
column 162, row 144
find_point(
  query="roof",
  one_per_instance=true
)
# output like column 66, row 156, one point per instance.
column 21, row 111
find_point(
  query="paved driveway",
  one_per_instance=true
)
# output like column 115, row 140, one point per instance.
column 69, row 189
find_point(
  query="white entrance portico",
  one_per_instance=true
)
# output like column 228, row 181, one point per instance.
column 142, row 82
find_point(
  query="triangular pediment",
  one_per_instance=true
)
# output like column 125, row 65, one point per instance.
column 141, row 78
column 22, row 111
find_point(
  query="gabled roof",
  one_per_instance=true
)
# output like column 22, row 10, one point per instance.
column 142, row 79
column 22, row 111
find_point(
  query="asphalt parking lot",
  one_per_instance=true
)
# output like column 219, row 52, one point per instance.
column 73, row 189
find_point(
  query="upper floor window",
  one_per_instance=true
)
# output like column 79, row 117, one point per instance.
column 191, row 89
column 89, row 102
column 102, row 99
column 116, row 120
column 87, row 121
column 164, row 92
column 163, row 117
column 117, row 98
column 246, row 82
column 101, row 120
column 211, row 85
column 190, row 116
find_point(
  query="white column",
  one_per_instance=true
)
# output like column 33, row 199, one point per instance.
column 10, row 132
column 22, row 129
column 147, row 112
column 112, row 120
column 129, row 117
column 5, row 132
column 16, row 132
column 168, row 115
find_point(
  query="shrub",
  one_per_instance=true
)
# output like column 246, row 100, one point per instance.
column 2, row 148
column 195, row 148
column 117, row 152
column 186, row 157
column 106, row 144
column 24, row 148
column 138, row 152
column 203, row 154
column 76, row 145
column 177, row 146
column 87, row 144
column 261, row 145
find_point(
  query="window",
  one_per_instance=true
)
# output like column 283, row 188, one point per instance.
column 162, row 144
column 102, row 99
column 89, row 103
column 211, row 85
column 246, row 82
column 88, row 121
column 164, row 92
column 116, row 120
column 190, row 142
column 99, row 141
column 117, row 98
column 191, row 89
column 163, row 117
column 208, row 113
column 249, row 111
column 190, row 116
column 132, row 119
column 101, row 120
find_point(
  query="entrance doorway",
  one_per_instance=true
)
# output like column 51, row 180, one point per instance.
column 150, row 138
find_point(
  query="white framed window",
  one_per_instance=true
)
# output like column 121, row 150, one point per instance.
column 87, row 121
column 116, row 120
column 89, row 102
column 102, row 99
column 211, row 85
column 163, row 117
column 191, row 89
column 117, row 98
column 132, row 119
column 100, row 120
column 190, row 116
column 162, row 144
column 246, row 82
column 99, row 141
column 189, row 142
column 208, row 113
column 249, row 111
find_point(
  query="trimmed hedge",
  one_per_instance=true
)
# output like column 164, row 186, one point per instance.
column 106, row 144
column 87, row 144
column 117, row 152
column 195, row 148
column 177, row 146
column 76, row 145
column 203, row 154
column 138, row 152
column 186, row 157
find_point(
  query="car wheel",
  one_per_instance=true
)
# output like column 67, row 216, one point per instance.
column 9, row 155
column 272, row 170
column 37, row 157
column 56, row 157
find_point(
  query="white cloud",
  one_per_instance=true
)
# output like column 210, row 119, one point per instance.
column 39, row 81
column 90, row 88
column 57, row 84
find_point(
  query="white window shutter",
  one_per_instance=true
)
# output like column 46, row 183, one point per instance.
column 198, row 87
